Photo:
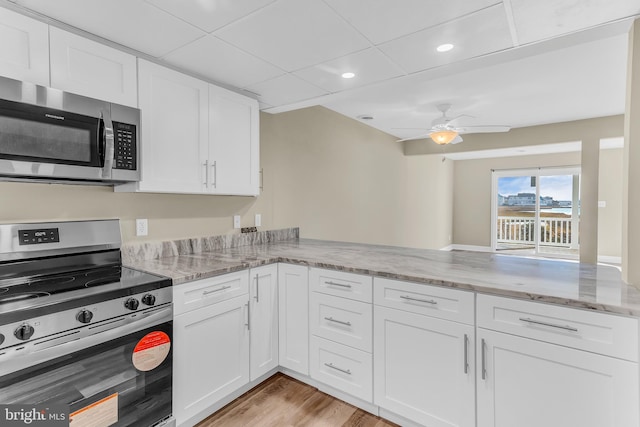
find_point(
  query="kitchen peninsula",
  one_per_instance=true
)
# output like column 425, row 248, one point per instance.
column 418, row 335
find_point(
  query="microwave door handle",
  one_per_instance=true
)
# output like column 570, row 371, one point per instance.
column 108, row 144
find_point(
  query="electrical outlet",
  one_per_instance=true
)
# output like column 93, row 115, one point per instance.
column 602, row 203
column 142, row 227
column 236, row 221
column 258, row 221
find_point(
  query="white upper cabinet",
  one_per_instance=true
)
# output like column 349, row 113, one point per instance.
column 174, row 130
column 234, row 148
column 24, row 48
column 92, row 69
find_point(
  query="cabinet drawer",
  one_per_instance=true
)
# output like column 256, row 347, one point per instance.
column 201, row 293
column 342, row 367
column 342, row 320
column 434, row 301
column 601, row 333
column 338, row 283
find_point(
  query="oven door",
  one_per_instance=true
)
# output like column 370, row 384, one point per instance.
column 125, row 381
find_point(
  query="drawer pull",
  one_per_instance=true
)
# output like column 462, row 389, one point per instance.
column 343, row 285
column 215, row 290
column 332, row 366
column 428, row 301
column 551, row 325
column 331, row 319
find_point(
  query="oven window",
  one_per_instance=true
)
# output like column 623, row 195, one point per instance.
column 104, row 380
column 26, row 138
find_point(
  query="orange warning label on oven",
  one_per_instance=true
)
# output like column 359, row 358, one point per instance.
column 151, row 351
column 103, row 413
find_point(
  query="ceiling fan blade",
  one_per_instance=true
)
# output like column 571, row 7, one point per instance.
column 483, row 129
column 461, row 115
column 423, row 135
column 458, row 139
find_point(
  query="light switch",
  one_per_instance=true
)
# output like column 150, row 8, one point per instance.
column 236, row 221
column 258, row 221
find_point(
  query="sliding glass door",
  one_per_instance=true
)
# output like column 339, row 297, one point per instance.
column 536, row 211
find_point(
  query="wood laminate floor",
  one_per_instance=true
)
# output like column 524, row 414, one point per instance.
column 282, row 401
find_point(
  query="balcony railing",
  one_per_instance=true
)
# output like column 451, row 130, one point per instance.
column 520, row 230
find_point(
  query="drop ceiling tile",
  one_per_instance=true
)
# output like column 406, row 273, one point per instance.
column 209, row 15
column 477, row 34
column 219, row 61
column 542, row 19
column 294, row 34
column 285, row 89
column 384, row 20
column 131, row 23
column 368, row 65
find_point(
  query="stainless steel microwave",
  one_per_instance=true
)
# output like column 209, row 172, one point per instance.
column 55, row 136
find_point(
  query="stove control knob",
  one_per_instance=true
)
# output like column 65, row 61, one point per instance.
column 24, row 332
column 148, row 299
column 84, row 316
column 1, row 339
column 131, row 303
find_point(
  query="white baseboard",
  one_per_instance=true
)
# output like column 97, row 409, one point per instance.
column 446, row 248
column 472, row 248
column 610, row 259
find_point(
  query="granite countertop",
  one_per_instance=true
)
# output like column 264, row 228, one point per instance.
column 561, row 282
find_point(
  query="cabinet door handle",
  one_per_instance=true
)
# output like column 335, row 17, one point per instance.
column 332, row 366
column 343, row 285
column 428, row 301
column 257, row 297
column 214, row 166
column 483, row 349
column 206, row 174
column 215, row 290
column 248, row 324
column 551, row 325
column 466, row 353
column 331, row 319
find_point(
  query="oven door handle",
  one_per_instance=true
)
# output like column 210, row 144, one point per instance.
column 16, row 358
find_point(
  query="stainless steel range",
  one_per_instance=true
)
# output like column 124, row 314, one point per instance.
column 77, row 328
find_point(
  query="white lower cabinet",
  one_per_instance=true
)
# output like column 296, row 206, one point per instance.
column 528, row 383
column 342, row 367
column 264, row 319
column 340, row 318
column 530, row 380
column 211, row 356
column 424, row 368
column 293, row 312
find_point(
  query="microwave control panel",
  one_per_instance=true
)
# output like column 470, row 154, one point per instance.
column 125, row 146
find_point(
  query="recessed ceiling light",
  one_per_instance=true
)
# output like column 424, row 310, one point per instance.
column 444, row 47
column 348, row 75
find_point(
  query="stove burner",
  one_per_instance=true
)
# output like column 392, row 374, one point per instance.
column 22, row 297
column 102, row 281
column 52, row 281
column 109, row 271
column 3, row 290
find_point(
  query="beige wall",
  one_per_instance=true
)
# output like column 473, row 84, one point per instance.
column 610, row 192
column 332, row 176
column 341, row 180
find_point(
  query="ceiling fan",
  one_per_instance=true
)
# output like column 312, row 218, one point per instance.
column 443, row 131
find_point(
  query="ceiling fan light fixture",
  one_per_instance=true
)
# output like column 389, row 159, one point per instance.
column 443, row 137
